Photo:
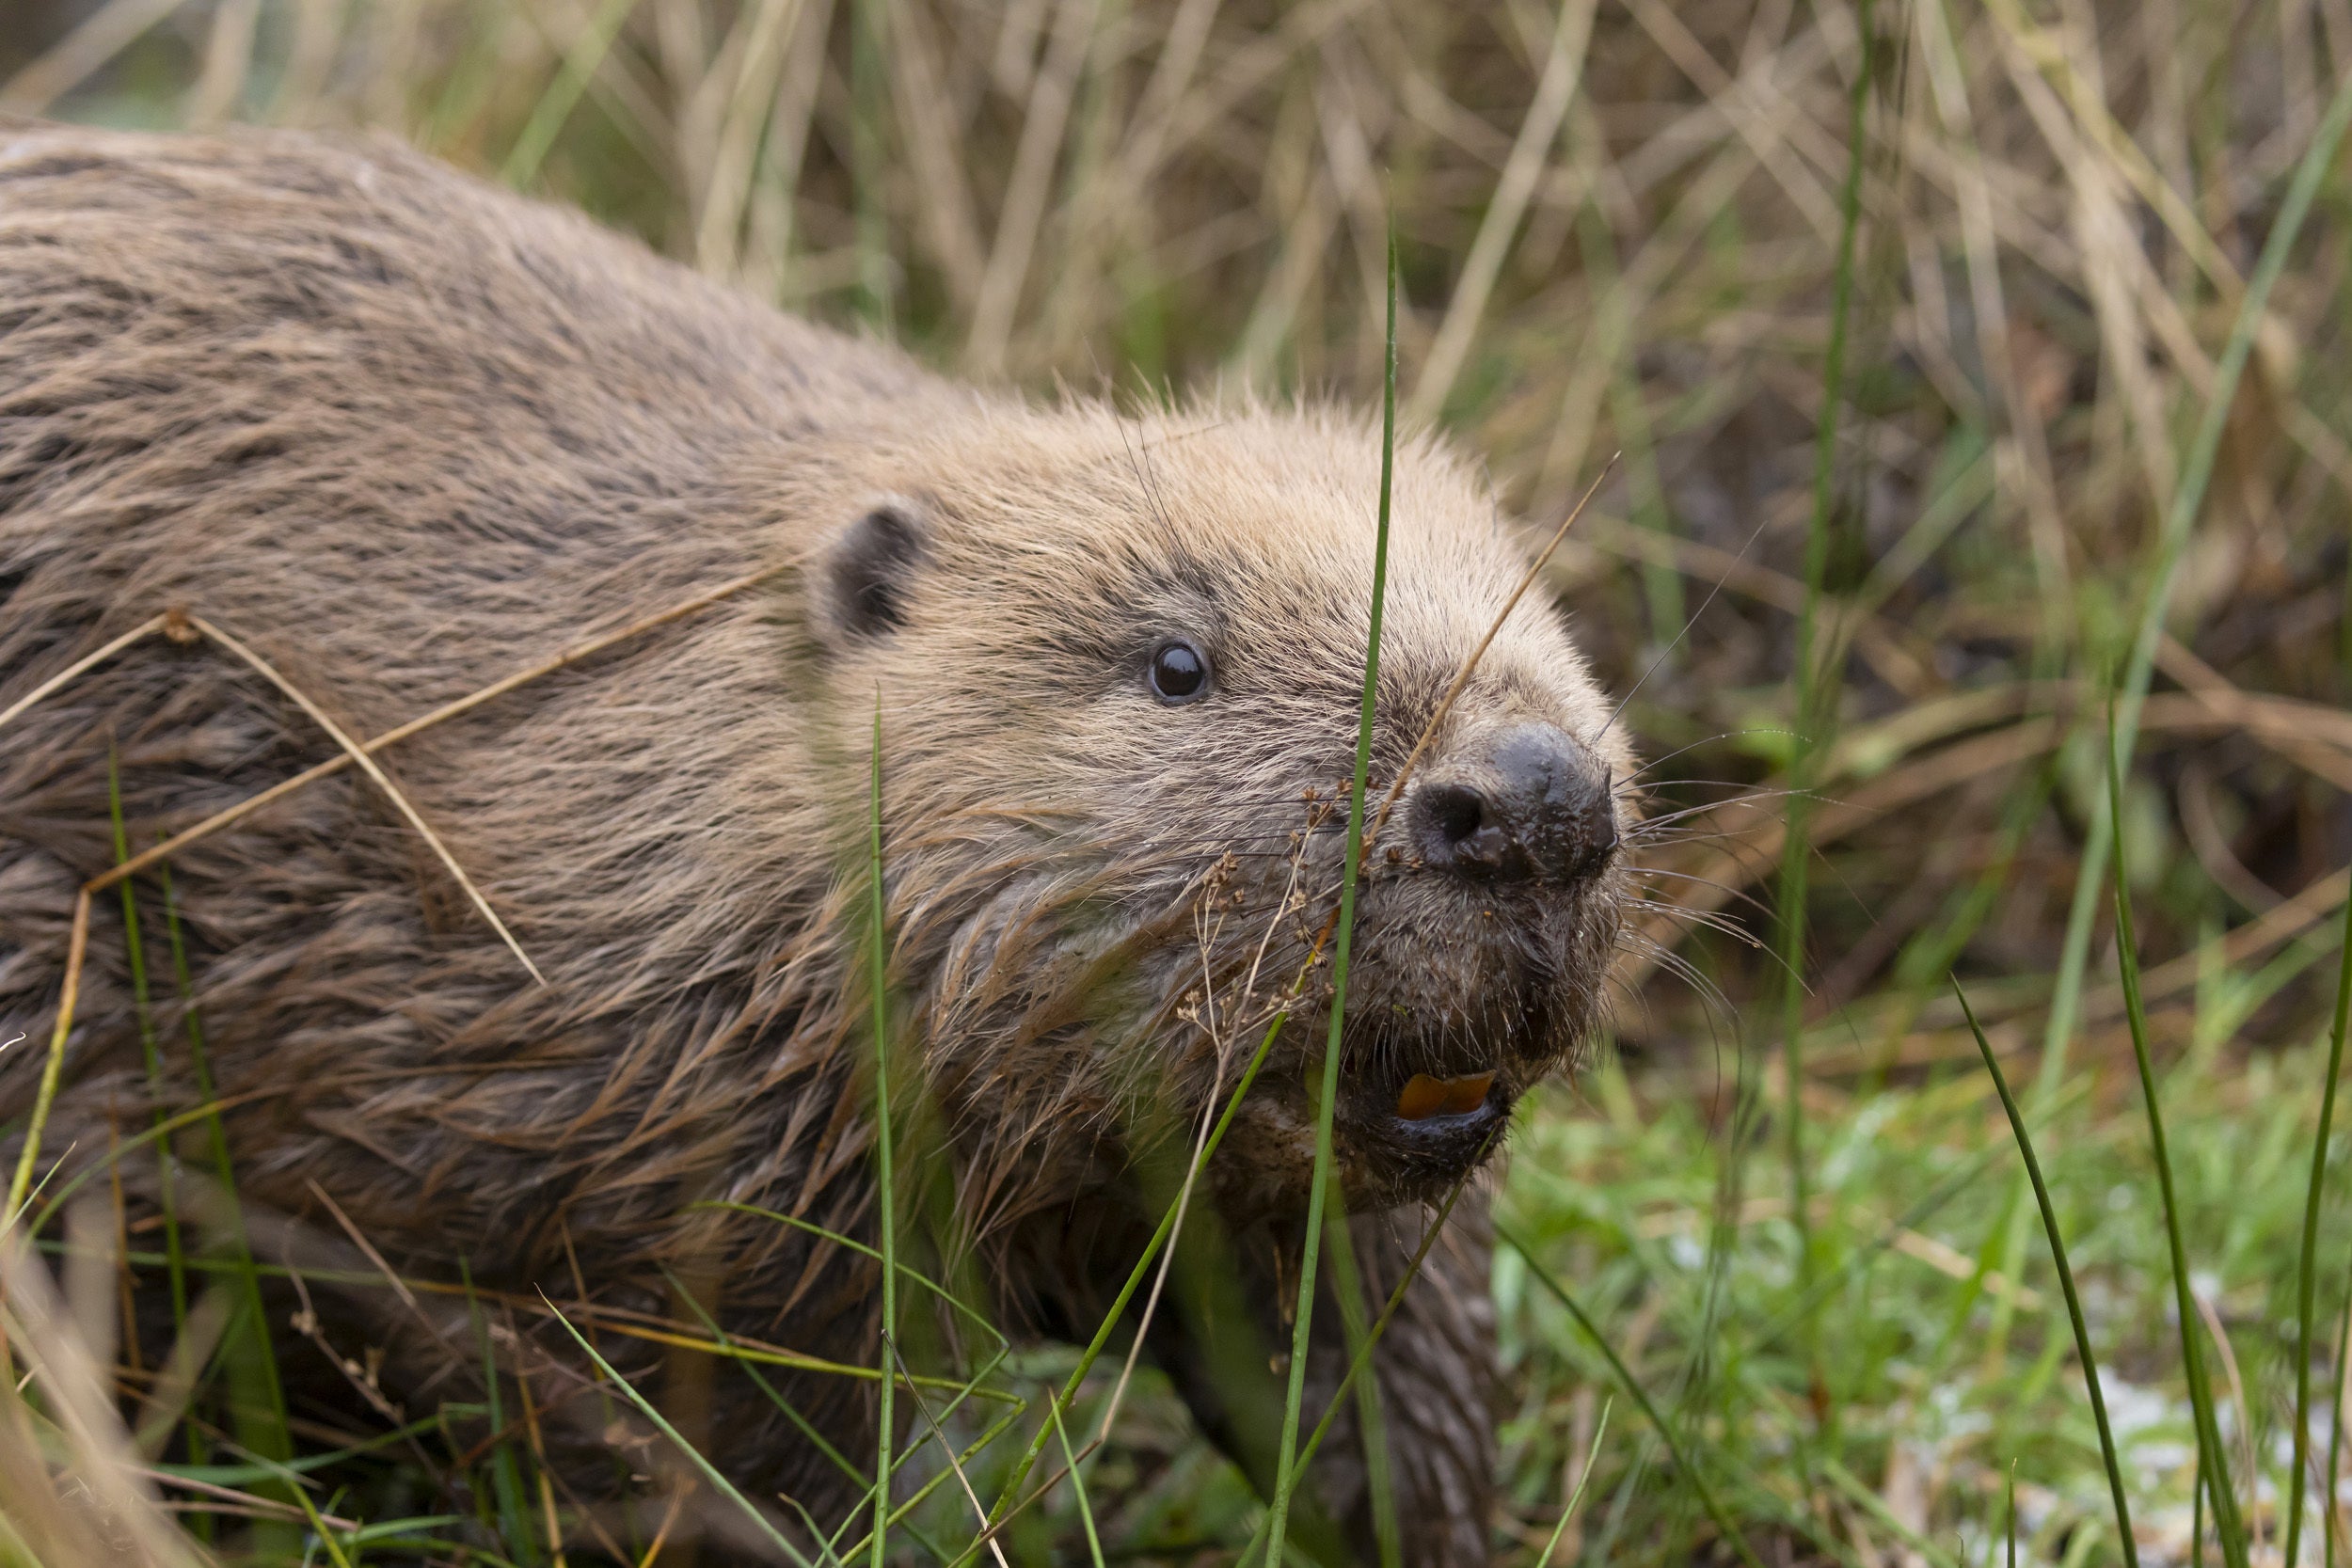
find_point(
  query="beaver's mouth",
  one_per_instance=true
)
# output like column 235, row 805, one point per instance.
column 1417, row 1114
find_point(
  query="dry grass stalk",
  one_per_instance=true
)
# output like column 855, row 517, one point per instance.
column 366, row 764
column 108, row 1511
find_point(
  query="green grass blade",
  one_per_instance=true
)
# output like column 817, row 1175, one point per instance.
column 2009, row 1510
column 800, row 1423
column 135, row 954
column 318, row 1527
column 884, row 1201
column 2066, row 1283
column 709, row 1471
column 506, row 1483
column 1109, row 1327
column 965, row 1310
column 1372, row 1418
column 2180, row 519
column 1871, row 1503
column 2307, row 1272
column 1707, row 1498
column 1286, row 1473
column 257, row 1396
column 922, row 1494
column 1360, row 1357
column 2228, row 1529
column 563, row 95
column 2197, row 1516
column 1817, row 678
column 1568, row 1510
column 1078, row 1486
column 2330, row 1510
column 970, row 1389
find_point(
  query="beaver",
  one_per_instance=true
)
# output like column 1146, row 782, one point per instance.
column 403, row 434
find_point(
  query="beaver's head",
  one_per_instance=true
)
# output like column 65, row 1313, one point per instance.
column 1120, row 670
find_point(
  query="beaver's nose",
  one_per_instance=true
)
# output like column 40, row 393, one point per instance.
column 1535, row 806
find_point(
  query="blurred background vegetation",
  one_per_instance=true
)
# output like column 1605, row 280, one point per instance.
column 1904, row 317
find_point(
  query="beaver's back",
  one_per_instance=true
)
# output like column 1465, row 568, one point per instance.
column 406, row 435
column 285, row 370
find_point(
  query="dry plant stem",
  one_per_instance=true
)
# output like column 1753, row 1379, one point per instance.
column 81, row 666
column 669, row 1521
column 248, row 1504
column 366, row 764
column 1925, row 775
column 1023, row 216
column 359, row 1239
column 422, row 723
column 978, row 1512
column 108, row 31
column 101, row 1462
column 2210, row 1318
column 352, row 752
column 1469, row 665
column 1563, row 66
column 175, row 1381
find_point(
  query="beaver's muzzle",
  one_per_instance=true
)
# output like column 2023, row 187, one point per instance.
column 1483, row 944
column 1532, row 805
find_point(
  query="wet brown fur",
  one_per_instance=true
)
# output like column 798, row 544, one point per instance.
column 406, row 435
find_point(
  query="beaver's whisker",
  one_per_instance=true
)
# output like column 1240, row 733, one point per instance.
column 1732, row 894
column 1664, row 957
column 1689, row 621
column 1707, row 918
column 1662, row 760
column 1752, row 801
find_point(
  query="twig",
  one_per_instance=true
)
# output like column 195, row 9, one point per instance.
column 366, row 764
column 89, row 662
column 1469, row 665
column 978, row 1511
column 334, row 764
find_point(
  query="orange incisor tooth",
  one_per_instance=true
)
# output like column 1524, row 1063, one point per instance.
column 1424, row 1096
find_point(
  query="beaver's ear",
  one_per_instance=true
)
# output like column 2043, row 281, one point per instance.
column 866, row 572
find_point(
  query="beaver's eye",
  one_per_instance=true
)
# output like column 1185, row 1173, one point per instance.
column 1180, row 672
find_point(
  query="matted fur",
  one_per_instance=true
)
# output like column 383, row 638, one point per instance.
column 405, row 434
